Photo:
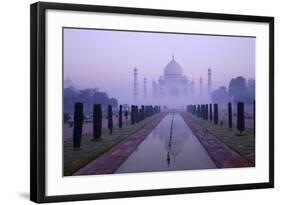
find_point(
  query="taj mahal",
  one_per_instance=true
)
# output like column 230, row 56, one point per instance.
column 172, row 83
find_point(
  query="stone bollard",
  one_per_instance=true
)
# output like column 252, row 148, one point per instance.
column 216, row 114
column 240, row 117
column 132, row 114
column 211, row 112
column 229, row 115
column 78, row 124
column 120, row 119
column 109, row 120
column 97, row 121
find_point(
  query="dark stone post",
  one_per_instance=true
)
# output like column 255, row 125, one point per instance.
column 202, row 111
column 229, row 115
column 132, row 114
column 254, row 116
column 97, row 120
column 207, row 111
column 216, row 114
column 142, row 112
column 137, row 119
column 198, row 111
column 109, row 120
column 211, row 112
column 240, row 117
column 120, row 119
column 126, row 114
column 78, row 124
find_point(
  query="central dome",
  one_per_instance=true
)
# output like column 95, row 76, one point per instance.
column 173, row 68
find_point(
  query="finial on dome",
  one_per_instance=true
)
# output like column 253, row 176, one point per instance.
column 173, row 57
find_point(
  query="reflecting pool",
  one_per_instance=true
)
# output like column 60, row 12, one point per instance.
column 170, row 146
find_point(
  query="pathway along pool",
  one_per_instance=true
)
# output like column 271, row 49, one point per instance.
column 170, row 146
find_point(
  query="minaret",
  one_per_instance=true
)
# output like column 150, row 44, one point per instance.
column 209, row 81
column 192, row 87
column 154, row 89
column 187, row 86
column 135, row 84
column 200, row 86
column 144, row 88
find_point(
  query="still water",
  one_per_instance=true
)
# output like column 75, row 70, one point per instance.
column 170, row 146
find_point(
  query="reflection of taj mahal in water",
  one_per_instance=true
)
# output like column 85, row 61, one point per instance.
column 173, row 83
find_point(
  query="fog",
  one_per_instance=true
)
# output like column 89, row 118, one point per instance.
column 106, row 59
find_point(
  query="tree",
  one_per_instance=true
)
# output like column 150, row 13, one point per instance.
column 220, row 95
column 86, row 96
column 238, row 91
column 97, row 121
column 216, row 114
column 229, row 115
column 70, row 97
column 240, row 117
column 120, row 121
column 113, row 102
column 101, row 98
column 66, row 117
column 109, row 116
column 78, row 124
column 251, row 86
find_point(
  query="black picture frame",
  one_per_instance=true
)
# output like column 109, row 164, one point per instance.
column 38, row 100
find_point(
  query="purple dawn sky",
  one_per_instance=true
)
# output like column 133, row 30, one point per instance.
column 105, row 59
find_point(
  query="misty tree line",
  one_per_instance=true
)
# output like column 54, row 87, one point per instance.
column 238, row 91
column 210, row 112
column 136, row 113
column 88, row 97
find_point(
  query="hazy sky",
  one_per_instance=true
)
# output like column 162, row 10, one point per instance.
column 105, row 59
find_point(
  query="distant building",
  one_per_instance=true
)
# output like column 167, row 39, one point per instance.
column 172, row 84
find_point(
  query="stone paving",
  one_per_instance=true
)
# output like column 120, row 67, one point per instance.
column 222, row 155
column 109, row 162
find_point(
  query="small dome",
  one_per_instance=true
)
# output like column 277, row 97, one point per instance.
column 173, row 68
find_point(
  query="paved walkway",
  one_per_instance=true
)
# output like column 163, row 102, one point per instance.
column 221, row 154
column 109, row 162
